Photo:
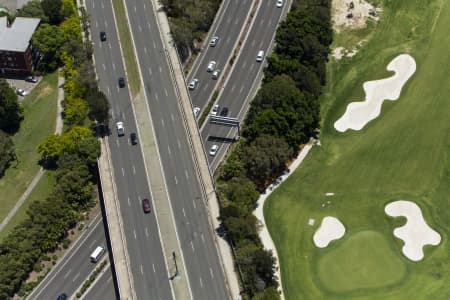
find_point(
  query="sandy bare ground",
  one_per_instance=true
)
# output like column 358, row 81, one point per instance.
column 358, row 114
column 330, row 229
column 415, row 233
column 352, row 14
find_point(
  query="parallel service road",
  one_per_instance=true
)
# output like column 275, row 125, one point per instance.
column 227, row 27
column 71, row 272
column 205, row 274
column 144, row 247
column 103, row 289
column 245, row 74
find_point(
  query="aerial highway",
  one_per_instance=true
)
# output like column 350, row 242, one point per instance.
column 103, row 288
column 150, row 276
column 205, row 274
column 245, row 76
column 227, row 29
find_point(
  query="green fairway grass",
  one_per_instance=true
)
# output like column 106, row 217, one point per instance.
column 401, row 155
column 39, row 121
column 363, row 260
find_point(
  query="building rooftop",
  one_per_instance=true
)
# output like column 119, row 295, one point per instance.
column 18, row 36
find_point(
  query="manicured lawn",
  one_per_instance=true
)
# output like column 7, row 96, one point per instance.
column 127, row 46
column 40, row 117
column 403, row 154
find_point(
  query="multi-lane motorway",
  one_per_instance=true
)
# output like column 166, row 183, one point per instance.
column 202, row 262
column 245, row 74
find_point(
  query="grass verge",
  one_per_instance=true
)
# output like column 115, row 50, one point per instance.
column 403, row 154
column 127, row 46
column 39, row 121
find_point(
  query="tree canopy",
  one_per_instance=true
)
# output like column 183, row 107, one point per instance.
column 11, row 113
column 49, row 39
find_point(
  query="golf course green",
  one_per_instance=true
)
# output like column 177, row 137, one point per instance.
column 403, row 154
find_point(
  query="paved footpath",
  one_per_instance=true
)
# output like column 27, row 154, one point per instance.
column 38, row 176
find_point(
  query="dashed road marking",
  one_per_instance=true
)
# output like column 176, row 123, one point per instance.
column 192, row 246
column 123, row 172
column 134, row 170
column 211, row 272
column 193, row 203
column 201, row 282
column 184, row 212
column 176, row 180
column 187, row 174
column 134, row 232
column 129, row 203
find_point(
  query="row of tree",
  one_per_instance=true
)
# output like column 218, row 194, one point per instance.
column 48, row 220
column 189, row 21
column 283, row 115
column 72, row 154
column 11, row 114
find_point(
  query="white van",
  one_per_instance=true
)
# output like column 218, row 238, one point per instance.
column 260, row 56
column 98, row 252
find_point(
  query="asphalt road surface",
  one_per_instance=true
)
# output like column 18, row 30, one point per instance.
column 243, row 77
column 227, row 29
column 103, row 287
column 73, row 269
column 151, row 280
column 205, row 274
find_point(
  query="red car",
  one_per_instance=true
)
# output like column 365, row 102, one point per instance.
column 146, row 206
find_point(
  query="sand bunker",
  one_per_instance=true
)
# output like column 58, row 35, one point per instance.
column 415, row 233
column 330, row 229
column 358, row 114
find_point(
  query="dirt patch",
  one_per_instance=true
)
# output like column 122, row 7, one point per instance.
column 45, row 91
column 352, row 14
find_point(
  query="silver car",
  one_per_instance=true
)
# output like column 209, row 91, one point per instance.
column 211, row 66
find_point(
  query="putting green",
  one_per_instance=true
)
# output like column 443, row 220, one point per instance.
column 363, row 261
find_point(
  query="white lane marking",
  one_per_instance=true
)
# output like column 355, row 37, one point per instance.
column 92, row 244
column 242, row 88
column 162, row 122
column 233, row 87
column 93, row 4
column 109, row 279
column 203, row 237
column 146, row 232
column 251, row 67
column 129, row 203
column 106, row 24
column 134, row 232
column 145, row 50
column 109, row 45
column 142, row 270
column 75, row 277
column 156, row 97
column 114, row 66
column 168, row 150
column 135, row 8
column 193, row 202
column 145, row 7
column 228, row 20
column 165, row 91
column 148, row 25
column 153, row 266
column 104, row 67
column 192, row 245
column 154, row 45
column 244, row 64
column 123, row 117
column 109, row 92
column 201, row 282
column 253, row 43
column 211, row 272
column 186, row 173
column 102, row 5
column 117, row 142
column 228, row 40
column 140, row 28
column 160, row 69
column 179, row 143
column 150, row 71
column 184, row 212
column 123, row 172
column 134, row 170
column 96, row 25
column 270, row 23
column 262, row 22
column 237, row 21
column 176, row 180
column 172, row 117
column 67, row 274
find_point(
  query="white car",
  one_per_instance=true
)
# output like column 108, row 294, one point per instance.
column 21, row 92
column 211, row 66
column 215, row 110
column 260, row 56
column 193, row 84
column 196, row 111
column 215, row 74
column 213, row 150
column 120, row 129
column 214, row 41
column 279, row 3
